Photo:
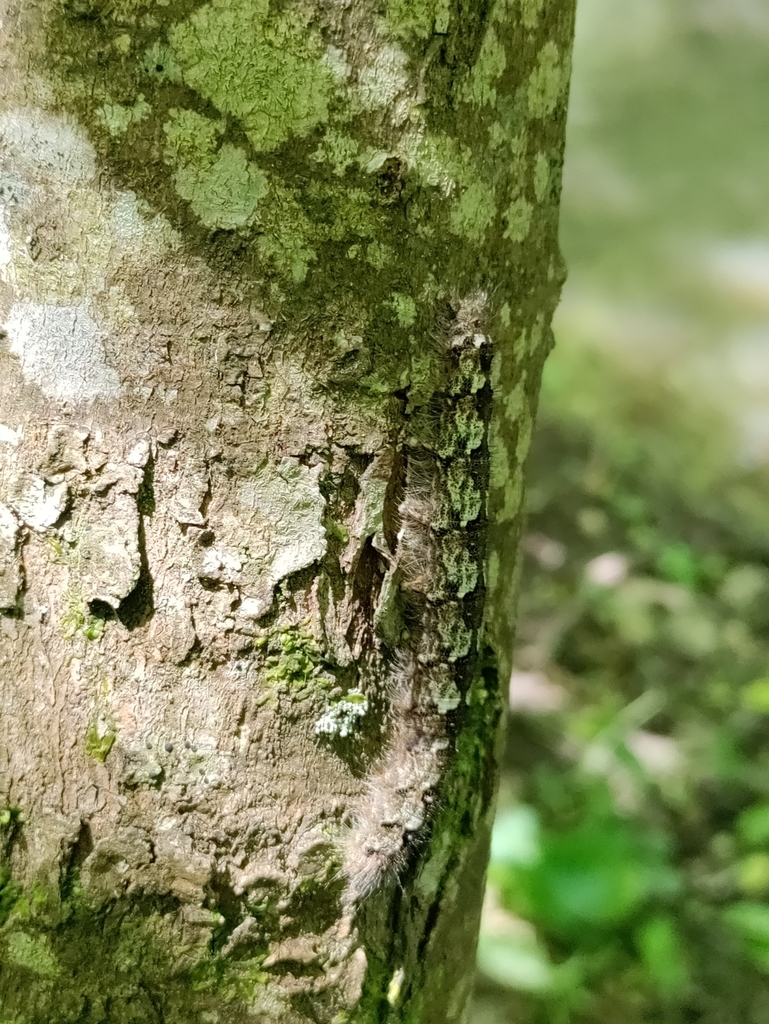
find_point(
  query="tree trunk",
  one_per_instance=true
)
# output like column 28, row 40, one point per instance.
column 263, row 265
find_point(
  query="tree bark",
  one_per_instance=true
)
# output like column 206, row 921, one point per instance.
column 263, row 264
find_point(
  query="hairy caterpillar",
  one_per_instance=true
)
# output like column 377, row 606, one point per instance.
column 438, row 571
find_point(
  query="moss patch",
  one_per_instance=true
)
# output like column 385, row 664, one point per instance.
column 417, row 19
column 294, row 659
column 99, row 743
column 33, row 953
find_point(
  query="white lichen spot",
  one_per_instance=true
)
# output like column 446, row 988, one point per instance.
column 61, row 349
column 89, row 232
column 10, row 436
column 335, row 60
column 287, row 508
column 395, row 987
column 386, row 78
column 132, row 221
column 220, row 563
column 252, row 608
column 435, row 158
column 47, row 145
column 340, row 718
column 445, row 695
column 39, row 504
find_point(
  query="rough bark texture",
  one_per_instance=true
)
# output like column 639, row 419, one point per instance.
column 235, row 240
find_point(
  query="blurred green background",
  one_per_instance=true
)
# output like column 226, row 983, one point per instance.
column 629, row 879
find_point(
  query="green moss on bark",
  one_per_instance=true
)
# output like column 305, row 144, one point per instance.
column 265, row 134
column 122, row 962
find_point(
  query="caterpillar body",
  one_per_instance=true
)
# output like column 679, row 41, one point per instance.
column 437, row 569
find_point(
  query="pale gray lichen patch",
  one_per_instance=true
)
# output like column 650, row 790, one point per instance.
column 38, row 503
column 65, row 237
column 47, row 145
column 444, row 694
column 385, row 78
column 6, row 254
column 109, row 559
column 61, row 349
column 10, row 563
column 286, row 507
column 133, row 221
column 334, row 58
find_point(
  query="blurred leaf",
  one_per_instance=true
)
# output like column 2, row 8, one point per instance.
column 744, row 585
column 596, row 875
column 751, row 920
column 694, row 633
column 514, row 961
column 755, row 696
column 723, row 758
column 662, row 953
column 753, row 824
column 753, row 874
column 679, row 564
column 515, row 839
